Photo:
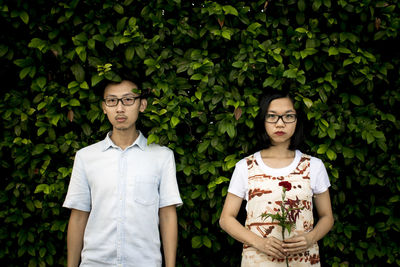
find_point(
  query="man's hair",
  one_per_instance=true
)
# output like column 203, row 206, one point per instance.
column 261, row 133
column 143, row 93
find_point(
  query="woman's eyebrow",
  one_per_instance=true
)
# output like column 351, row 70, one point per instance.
column 288, row 111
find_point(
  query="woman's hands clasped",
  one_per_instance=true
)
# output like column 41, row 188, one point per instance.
column 297, row 244
column 271, row 246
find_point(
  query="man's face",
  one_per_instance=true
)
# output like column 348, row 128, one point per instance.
column 123, row 117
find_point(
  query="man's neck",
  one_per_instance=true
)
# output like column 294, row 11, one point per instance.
column 124, row 138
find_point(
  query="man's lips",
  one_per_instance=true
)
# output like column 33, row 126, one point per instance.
column 279, row 133
column 120, row 119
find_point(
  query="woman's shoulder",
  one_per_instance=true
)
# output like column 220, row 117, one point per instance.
column 315, row 162
column 246, row 160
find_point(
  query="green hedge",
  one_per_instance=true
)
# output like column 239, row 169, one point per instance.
column 206, row 63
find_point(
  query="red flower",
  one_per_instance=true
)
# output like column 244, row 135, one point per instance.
column 286, row 185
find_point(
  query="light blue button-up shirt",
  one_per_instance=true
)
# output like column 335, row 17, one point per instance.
column 123, row 190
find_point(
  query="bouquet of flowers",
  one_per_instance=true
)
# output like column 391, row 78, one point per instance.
column 288, row 213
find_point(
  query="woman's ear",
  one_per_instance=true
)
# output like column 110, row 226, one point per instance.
column 103, row 106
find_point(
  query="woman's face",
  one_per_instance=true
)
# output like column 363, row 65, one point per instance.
column 280, row 131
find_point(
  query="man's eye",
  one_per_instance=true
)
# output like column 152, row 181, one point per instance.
column 111, row 100
column 129, row 99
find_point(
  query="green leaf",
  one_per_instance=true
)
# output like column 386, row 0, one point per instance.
column 238, row 64
column 356, row 100
column 333, row 51
column 42, row 188
column 197, row 242
column 196, row 77
column 174, row 121
column 226, row 34
column 153, row 139
column 74, row 103
column 228, row 9
column 140, row 51
column 96, row 79
column 370, row 231
column 331, row 154
column 308, row 102
column 119, row 9
column 203, row 146
column 394, row 199
column 269, row 81
column 206, row 241
column 129, row 53
column 24, row 72
column 41, row 82
column 78, row 72
column 24, row 17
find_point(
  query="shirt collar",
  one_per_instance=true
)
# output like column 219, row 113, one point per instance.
column 141, row 142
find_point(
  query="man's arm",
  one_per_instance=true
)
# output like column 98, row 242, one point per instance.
column 76, row 228
column 169, row 233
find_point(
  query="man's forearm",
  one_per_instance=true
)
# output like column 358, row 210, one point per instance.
column 76, row 229
column 169, row 234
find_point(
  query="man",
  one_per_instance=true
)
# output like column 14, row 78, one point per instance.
column 121, row 191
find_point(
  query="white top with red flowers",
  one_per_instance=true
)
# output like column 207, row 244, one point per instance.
column 319, row 178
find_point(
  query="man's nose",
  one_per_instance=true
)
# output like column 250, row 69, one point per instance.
column 120, row 106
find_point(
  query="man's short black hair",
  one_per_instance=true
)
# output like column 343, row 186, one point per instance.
column 143, row 93
column 263, row 139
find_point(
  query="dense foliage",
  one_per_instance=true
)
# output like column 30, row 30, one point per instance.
column 206, row 63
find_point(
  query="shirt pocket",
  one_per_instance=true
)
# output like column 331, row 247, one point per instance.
column 146, row 190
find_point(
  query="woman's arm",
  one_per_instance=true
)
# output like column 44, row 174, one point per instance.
column 270, row 245
column 301, row 243
column 76, row 229
column 169, row 233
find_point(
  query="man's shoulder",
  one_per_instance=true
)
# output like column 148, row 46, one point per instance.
column 155, row 148
column 96, row 147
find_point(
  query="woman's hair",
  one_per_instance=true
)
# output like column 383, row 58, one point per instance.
column 261, row 134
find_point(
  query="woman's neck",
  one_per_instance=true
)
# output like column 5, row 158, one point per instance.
column 277, row 156
column 278, row 151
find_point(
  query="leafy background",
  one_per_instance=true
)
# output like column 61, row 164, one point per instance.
column 206, row 63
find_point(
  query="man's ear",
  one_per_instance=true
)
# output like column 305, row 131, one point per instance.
column 143, row 105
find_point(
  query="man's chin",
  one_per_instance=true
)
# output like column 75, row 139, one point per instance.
column 121, row 128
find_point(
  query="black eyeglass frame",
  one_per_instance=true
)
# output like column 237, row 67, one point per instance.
column 122, row 99
column 281, row 117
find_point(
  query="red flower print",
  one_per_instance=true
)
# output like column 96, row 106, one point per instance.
column 286, row 185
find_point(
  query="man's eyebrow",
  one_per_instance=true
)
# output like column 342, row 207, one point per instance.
column 127, row 94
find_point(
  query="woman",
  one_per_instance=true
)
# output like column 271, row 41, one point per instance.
column 279, row 178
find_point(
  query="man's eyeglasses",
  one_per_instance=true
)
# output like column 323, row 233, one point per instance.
column 126, row 101
column 287, row 118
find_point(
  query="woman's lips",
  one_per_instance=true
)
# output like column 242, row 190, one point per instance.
column 279, row 133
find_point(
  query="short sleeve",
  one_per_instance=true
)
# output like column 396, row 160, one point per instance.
column 238, row 184
column 318, row 176
column 169, row 191
column 78, row 195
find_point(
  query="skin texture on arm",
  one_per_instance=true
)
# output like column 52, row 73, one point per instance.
column 76, row 229
column 270, row 245
column 169, row 233
column 301, row 243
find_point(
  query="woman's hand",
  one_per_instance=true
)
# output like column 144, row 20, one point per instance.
column 297, row 244
column 271, row 246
